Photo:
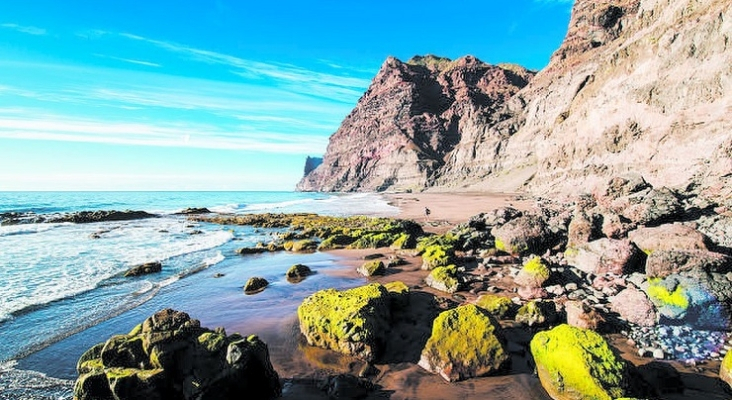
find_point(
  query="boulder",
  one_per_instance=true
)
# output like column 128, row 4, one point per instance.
column 353, row 322
column 297, row 273
column 170, row 356
column 304, row 246
column 725, row 370
column 695, row 301
column 145, row 269
column 537, row 313
column 663, row 263
column 251, row 250
column 533, row 274
column 581, row 315
column 86, row 217
column 466, row 342
column 584, row 226
column 634, row 306
column 523, row 235
column 371, row 268
column 578, row 364
column 445, row 279
column 498, row 306
column 668, row 237
column 255, row 284
column 437, row 255
column 605, row 256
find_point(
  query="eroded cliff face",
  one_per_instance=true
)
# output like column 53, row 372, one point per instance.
column 639, row 86
column 408, row 121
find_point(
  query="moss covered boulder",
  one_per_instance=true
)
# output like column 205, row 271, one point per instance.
column 498, row 306
column 304, row 246
column 371, row 268
column 578, row 364
column 255, row 284
column 170, row 356
column 445, row 279
column 534, row 273
column 437, row 256
column 537, row 313
column 354, row 321
column 466, row 342
column 298, row 273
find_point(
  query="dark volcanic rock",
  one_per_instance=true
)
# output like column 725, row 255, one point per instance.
column 170, row 356
column 144, row 269
column 190, row 211
column 85, row 217
column 255, row 285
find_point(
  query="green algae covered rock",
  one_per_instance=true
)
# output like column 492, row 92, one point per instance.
column 371, row 268
column 353, row 321
column 466, row 342
column 304, row 245
column 337, row 241
column 497, row 305
column 578, row 364
column 437, row 256
column 533, row 274
column 298, row 273
column 255, row 284
column 537, row 313
column 170, row 356
column 445, row 279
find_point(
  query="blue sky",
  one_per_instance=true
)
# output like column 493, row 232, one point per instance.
column 218, row 95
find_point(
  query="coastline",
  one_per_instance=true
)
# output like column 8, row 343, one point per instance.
column 303, row 367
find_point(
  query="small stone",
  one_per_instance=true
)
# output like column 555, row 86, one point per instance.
column 658, row 354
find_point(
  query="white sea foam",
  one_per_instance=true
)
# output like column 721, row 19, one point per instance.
column 64, row 260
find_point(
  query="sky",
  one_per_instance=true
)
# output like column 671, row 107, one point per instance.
column 219, row 94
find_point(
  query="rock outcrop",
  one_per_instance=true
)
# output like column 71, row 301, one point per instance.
column 410, row 119
column 637, row 85
column 170, row 356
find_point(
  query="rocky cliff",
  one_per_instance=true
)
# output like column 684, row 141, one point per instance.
column 410, row 119
column 639, row 86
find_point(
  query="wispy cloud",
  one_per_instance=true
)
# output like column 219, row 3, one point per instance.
column 30, row 125
column 129, row 60
column 301, row 80
column 31, row 30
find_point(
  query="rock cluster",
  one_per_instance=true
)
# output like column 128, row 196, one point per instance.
column 170, row 356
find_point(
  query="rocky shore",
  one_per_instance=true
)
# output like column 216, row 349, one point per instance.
column 621, row 293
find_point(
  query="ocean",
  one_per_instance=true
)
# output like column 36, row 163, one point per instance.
column 63, row 289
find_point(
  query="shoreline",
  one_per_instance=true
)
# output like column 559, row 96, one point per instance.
column 302, row 367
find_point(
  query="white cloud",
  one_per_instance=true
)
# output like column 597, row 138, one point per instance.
column 31, row 30
column 28, row 125
column 129, row 60
column 302, row 80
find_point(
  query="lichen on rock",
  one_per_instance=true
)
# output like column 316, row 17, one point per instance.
column 445, row 279
column 466, row 342
column 578, row 364
column 353, row 321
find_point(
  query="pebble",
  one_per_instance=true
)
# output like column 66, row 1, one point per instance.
column 678, row 342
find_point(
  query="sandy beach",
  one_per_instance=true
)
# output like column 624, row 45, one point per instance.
column 450, row 209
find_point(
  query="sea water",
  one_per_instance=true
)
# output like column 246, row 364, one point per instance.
column 63, row 282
